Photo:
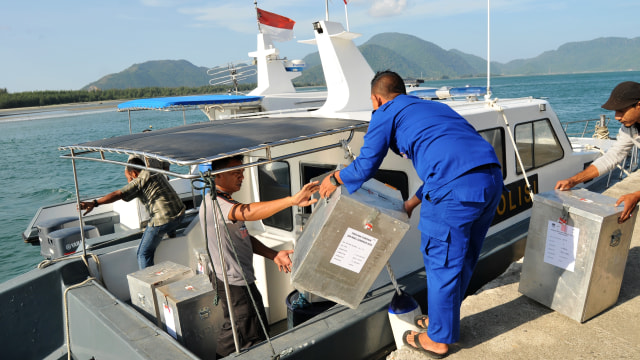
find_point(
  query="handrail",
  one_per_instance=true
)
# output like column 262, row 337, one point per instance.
column 586, row 129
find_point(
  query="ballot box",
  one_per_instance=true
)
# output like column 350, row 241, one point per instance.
column 143, row 284
column 187, row 313
column 347, row 241
column 576, row 252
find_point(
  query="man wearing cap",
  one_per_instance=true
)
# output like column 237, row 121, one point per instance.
column 625, row 101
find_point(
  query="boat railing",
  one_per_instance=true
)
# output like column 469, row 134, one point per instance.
column 598, row 128
column 590, row 127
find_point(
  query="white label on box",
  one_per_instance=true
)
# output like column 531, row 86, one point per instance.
column 169, row 322
column 354, row 250
column 561, row 246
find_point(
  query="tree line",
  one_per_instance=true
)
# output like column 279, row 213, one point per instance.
column 57, row 97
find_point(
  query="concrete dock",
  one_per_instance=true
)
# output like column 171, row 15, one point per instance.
column 498, row 322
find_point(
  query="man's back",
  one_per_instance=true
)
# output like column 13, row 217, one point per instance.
column 155, row 191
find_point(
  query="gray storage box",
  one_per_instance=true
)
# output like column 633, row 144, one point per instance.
column 143, row 284
column 347, row 241
column 199, row 261
column 187, row 312
column 579, row 286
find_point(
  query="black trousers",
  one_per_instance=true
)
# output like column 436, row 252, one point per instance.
column 246, row 318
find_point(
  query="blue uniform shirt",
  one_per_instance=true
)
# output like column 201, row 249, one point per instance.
column 441, row 144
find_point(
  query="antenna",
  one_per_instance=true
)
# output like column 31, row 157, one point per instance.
column 326, row 11
column 488, row 94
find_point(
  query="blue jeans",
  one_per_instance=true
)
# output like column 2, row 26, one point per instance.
column 151, row 239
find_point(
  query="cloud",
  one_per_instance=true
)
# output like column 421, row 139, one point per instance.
column 384, row 8
column 163, row 3
column 232, row 16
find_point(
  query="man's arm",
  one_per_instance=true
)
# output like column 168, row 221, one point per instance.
column 585, row 175
column 411, row 204
column 264, row 209
column 281, row 258
column 107, row 199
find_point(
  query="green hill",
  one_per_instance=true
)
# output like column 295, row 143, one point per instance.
column 603, row 54
column 408, row 55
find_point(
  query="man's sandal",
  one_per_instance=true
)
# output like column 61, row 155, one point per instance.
column 422, row 321
column 418, row 346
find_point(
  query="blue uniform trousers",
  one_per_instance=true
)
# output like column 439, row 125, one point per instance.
column 454, row 221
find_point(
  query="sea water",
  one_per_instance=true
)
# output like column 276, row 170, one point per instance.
column 34, row 175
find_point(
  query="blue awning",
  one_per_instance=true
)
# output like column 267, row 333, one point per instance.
column 182, row 102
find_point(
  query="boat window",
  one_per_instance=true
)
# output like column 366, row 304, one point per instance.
column 495, row 137
column 274, row 183
column 537, row 143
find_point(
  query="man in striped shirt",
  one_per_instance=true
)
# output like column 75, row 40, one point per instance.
column 161, row 200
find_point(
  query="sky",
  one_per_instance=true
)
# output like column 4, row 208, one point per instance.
column 67, row 44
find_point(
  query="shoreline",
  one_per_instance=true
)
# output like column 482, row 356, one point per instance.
column 94, row 105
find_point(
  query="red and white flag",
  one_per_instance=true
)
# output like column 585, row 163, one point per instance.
column 279, row 27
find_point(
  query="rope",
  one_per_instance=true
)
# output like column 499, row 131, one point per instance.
column 45, row 263
column 66, row 314
column 493, row 104
column 208, row 184
column 601, row 132
column 217, row 211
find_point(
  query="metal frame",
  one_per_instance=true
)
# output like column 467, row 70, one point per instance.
column 80, row 152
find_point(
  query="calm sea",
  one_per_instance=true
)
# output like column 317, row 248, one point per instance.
column 33, row 174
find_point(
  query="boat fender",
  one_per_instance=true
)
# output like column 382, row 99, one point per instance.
column 402, row 310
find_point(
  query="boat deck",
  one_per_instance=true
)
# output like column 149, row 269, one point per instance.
column 498, row 322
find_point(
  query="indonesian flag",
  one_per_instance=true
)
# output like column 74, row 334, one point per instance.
column 279, row 27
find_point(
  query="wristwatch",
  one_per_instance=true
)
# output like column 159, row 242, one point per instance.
column 95, row 203
column 334, row 180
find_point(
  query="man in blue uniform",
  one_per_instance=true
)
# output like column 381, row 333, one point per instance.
column 462, row 185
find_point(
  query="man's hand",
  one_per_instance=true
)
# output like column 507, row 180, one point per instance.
column 86, row 205
column 411, row 204
column 302, row 198
column 630, row 201
column 327, row 188
column 283, row 261
column 565, row 184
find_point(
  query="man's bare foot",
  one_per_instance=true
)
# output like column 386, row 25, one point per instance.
column 422, row 343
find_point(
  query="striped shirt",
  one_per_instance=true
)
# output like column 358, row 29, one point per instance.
column 157, row 195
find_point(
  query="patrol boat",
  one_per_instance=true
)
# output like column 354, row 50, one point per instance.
column 79, row 305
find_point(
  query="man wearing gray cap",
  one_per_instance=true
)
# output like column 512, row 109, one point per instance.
column 625, row 101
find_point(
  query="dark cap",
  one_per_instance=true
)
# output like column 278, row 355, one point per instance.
column 623, row 95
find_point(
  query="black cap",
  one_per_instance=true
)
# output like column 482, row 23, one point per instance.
column 623, row 95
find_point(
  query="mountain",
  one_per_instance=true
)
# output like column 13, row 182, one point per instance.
column 603, row 54
column 408, row 55
column 158, row 73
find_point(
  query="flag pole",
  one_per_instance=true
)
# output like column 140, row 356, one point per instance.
column 326, row 11
column 346, row 14
column 255, row 4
